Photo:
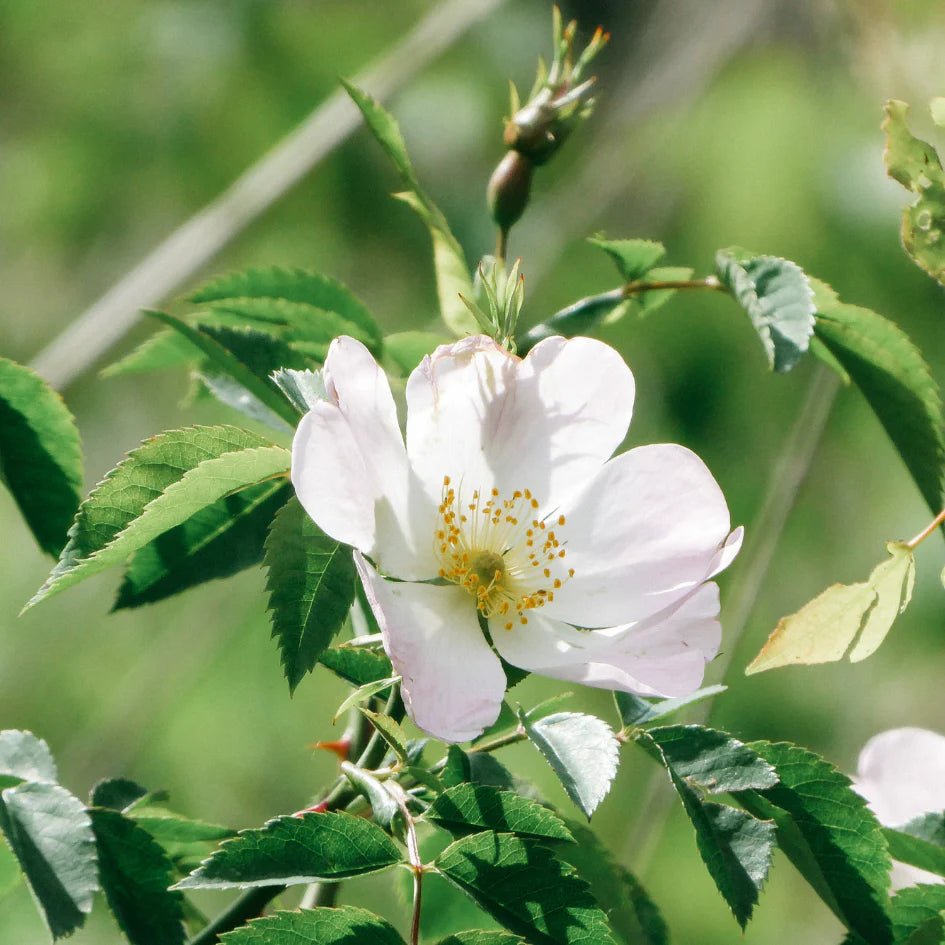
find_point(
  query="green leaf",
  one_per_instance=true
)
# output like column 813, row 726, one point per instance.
column 218, row 541
column 362, row 694
column 357, row 665
column 304, row 322
column 636, row 711
column 711, row 760
column 117, row 794
column 261, row 351
column 829, row 834
column 476, row 767
column 735, row 847
column 287, row 850
column 583, row 752
column 920, row 843
column 778, row 299
column 483, row 937
column 226, row 363
column 169, row 829
column 407, row 349
column 303, row 388
column 526, row 889
column 158, row 487
column 896, row 382
column 846, row 619
column 40, row 455
column 916, row 165
column 629, row 909
column 633, row 258
column 135, row 874
column 912, row 910
column 391, row 732
column 342, row 925
column 10, row 875
column 452, row 273
column 467, row 808
column 383, row 805
column 24, row 757
column 311, row 588
column 292, row 285
column 51, row 836
column 162, row 350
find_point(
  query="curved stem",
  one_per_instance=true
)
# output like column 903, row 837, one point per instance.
column 938, row 520
column 251, row 903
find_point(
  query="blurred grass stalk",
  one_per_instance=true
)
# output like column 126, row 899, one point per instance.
column 205, row 234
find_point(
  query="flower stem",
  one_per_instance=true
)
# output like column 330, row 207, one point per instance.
column 251, row 903
column 584, row 315
column 938, row 520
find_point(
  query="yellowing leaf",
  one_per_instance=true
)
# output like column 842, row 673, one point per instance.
column 845, row 620
column 892, row 581
column 820, row 632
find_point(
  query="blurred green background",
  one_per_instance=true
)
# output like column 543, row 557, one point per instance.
column 754, row 123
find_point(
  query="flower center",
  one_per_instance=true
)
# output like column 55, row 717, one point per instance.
column 498, row 550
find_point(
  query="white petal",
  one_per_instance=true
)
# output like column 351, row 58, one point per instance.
column 350, row 471
column 547, row 423
column 647, row 531
column 901, row 773
column 663, row 657
column 453, row 684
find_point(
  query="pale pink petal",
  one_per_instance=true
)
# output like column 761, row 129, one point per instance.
column 453, row 684
column 664, row 657
column 545, row 423
column 901, row 773
column 350, row 470
column 647, row 531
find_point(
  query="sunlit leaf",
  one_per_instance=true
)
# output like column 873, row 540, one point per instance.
column 50, row 833
column 916, row 165
column 311, row 588
column 452, row 273
column 829, row 834
column 526, row 889
column 40, row 455
column 135, row 874
column 895, row 380
column 583, row 752
column 218, row 541
column 632, row 914
column 736, row 847
column 24, row 757
column 159, row 486
column 778, row 299
column 633, row 258
column 846, row 619
column 313, row 848
column 342, row 925
column 466, row 808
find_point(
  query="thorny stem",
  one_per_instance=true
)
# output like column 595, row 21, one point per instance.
column 251, row 903
column 413, row 856
column 938, row 520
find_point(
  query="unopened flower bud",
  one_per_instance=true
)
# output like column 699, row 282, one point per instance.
column 509, row 189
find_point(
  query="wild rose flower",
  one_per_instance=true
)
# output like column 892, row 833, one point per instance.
column 901, row 774
column 505, row 511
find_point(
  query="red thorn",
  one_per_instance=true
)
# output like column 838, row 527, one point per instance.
column 340, row 747
column 318, row 808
